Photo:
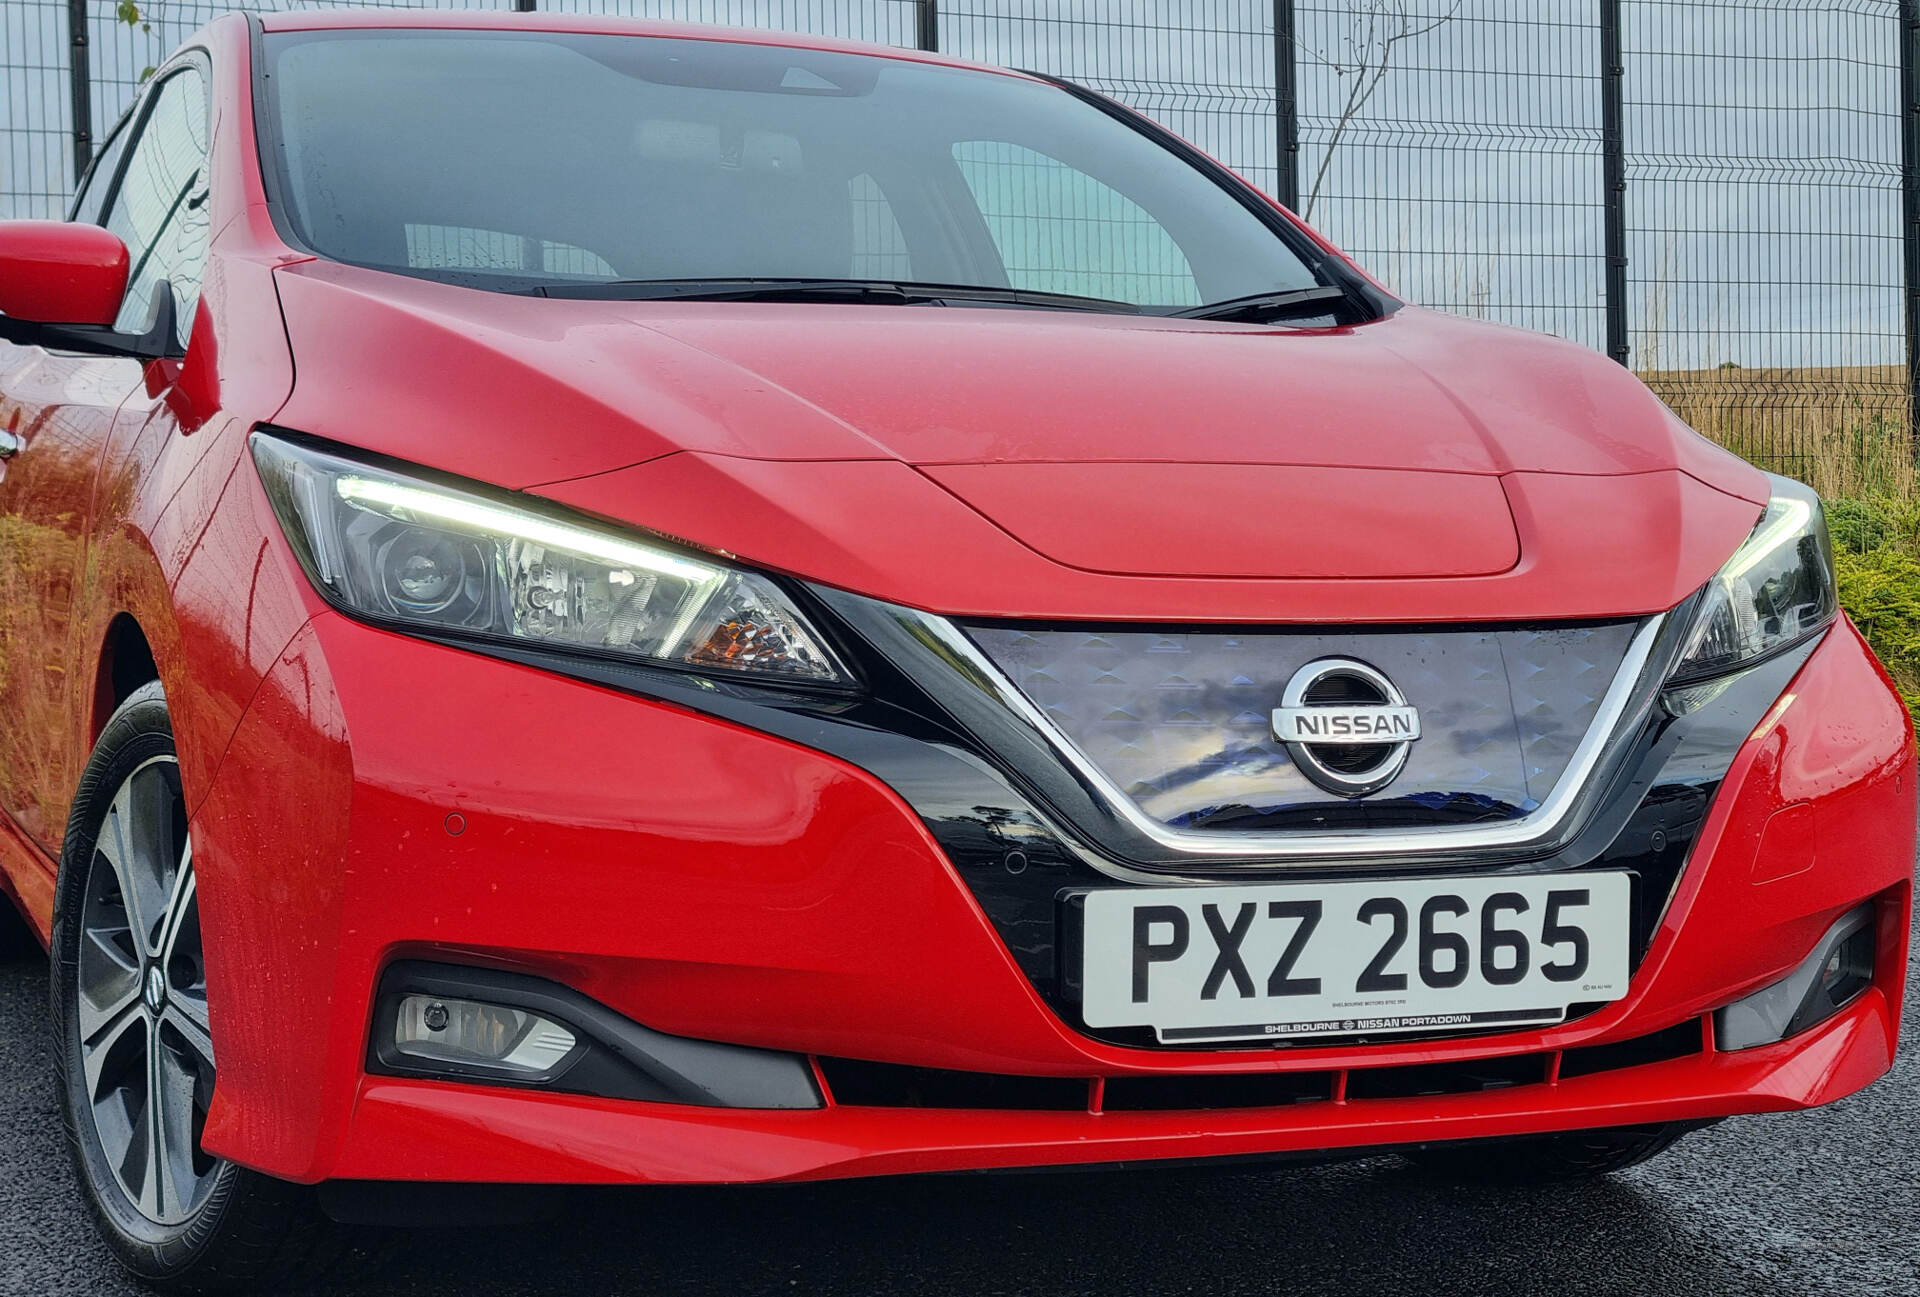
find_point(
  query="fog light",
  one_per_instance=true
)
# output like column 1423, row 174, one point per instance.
column 1840, row 967
column 471, row 1033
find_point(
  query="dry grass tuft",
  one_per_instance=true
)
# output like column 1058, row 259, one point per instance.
column 1845, row 430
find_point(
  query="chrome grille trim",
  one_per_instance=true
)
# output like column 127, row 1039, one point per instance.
column 1348, row 845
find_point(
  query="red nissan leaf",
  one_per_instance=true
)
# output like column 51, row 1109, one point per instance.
column 589, row 603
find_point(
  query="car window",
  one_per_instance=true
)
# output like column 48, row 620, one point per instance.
column 879, row 245
column 446, row 247
column 161, row 209
column 99, row 178
column 1058, row 230
column 536, row 156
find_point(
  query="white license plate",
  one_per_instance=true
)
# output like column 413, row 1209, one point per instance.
column 1282, row 960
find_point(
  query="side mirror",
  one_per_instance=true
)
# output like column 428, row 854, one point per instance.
column 55, row 272
column 61, row 285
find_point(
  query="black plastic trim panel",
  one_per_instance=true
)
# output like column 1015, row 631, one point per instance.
column 887, row 1085
column 616, row 1059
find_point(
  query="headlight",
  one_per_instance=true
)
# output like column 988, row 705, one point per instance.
column 1776, row 590
column 406, row 550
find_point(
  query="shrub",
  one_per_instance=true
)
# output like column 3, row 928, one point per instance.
column 1859, row 524
column 1880, row 589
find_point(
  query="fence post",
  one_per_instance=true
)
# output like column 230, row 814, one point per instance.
column 79, row 87
column 1286, row 107
column 525, row 6
column 1910, row 198
column 927, row 25
column 1613, row 146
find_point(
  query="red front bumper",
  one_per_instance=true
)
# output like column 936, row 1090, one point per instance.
column 714, row 882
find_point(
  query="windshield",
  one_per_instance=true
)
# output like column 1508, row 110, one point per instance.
column 512, row 159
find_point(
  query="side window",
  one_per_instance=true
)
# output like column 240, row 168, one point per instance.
column 1059, row 230
column 161, row 210
column 99, row 177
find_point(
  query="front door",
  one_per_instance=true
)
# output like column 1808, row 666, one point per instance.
column 57, row 410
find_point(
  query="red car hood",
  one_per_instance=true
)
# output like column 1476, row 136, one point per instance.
column 1002, row 462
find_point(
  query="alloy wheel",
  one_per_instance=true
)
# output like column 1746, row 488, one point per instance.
column 145, row 1047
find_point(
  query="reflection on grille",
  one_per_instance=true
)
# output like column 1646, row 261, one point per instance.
column 1182, row 722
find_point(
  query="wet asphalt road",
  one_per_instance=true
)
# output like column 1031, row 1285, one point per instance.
column 1821, row 1203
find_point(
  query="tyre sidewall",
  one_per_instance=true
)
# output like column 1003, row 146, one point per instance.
column 138, row 732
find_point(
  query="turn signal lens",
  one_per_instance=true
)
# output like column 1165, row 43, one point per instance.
column 469, row 1032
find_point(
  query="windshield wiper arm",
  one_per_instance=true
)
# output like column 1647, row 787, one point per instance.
column 880, row 291
column 1262, row 307
column 720, row 290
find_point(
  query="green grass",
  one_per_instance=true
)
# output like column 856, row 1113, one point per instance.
column 1876, row 545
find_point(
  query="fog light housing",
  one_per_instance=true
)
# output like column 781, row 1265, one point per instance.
column 1832, row 977
column 472, row 1033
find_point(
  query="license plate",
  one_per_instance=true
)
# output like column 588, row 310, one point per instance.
column 1291, row 960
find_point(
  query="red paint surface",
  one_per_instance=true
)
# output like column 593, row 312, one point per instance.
column 1244, row 520
column 727, row 891
column 52, row 272
column 1623, row 545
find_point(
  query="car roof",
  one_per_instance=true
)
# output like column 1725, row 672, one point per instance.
column 301, row 20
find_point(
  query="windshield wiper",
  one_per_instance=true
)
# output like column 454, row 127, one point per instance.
column 878, row 291
column 1263, row 307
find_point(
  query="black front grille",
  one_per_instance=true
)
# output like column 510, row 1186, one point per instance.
column 852, row 1083
column 1675, row 1042
column 888, row 1085
column 1198, row 1093
column 1426, row 1079
column 1180, row 721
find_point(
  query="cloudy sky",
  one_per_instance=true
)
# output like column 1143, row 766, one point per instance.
column 1763, row 142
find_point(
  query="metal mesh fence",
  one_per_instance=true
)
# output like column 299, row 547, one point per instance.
column 888, row 22
column 1764, row 228
column 1454, row 149
column 1203, row 68
column 1461, row 149
column 36, row 145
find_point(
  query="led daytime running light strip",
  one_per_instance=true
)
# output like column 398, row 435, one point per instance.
column 489, row 519
column 1794, row 517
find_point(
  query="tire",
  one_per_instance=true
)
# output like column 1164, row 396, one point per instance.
column 131, row 977
column 1549, row 1159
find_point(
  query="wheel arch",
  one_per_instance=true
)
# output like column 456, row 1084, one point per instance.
column 191, row 586
column 127, row 634
column 125, row 662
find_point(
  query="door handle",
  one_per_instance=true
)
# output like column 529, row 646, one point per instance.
column 10, row 445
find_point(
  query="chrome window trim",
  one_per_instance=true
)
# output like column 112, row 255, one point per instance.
column 1538, row 826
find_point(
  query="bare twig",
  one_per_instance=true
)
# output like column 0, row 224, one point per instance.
column 1374, row 29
